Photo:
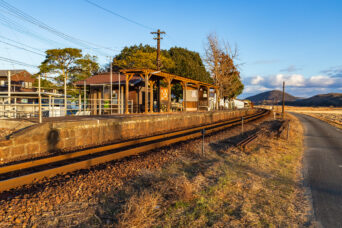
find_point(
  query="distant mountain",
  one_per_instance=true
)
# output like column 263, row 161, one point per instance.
column 323, row 100
column 271, row 97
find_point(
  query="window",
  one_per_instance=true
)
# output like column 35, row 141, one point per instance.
column 30, row 85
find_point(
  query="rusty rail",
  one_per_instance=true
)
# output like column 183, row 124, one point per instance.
column 122, row 150
column 244, row 143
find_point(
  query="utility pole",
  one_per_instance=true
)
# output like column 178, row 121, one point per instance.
column 158, row 38
column 119, row 95
column 283, row 108
column 39, row 101
column 111, row 86
column 65, row 95
column 9, row 87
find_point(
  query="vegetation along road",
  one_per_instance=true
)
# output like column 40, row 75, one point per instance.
column 323, row 168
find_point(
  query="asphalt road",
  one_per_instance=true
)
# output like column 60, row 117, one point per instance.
column 323, row 169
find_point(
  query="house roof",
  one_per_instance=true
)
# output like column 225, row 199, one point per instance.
column 105, row 79
column 5, row 72
column 18, row 75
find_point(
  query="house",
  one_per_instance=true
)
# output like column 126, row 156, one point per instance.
column 19, row 98
column 20, row 81
column 238, row 103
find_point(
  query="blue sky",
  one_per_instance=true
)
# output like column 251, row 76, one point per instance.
column 299, row 41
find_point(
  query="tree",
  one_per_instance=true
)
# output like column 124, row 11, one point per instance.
column 68, row 63
column 223, row 68
column 179, row 61
column 141, row 57
column 61, row 63
column 188, row 64
column 86, row 67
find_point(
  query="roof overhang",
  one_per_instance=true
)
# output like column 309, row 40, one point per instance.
column 150, row 72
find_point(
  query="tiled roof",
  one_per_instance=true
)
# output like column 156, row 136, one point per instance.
column 5, row 72
column 105, row 79
column 18, row 75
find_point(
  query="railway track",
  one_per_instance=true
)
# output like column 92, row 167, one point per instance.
column 24, row 173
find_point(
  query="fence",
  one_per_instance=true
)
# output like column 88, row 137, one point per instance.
column 28, row 107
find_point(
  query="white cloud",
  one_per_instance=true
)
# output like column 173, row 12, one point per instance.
column 296, row 84
column 256, row 80
column 321, row 80
column 290, row 80
column 252, row 88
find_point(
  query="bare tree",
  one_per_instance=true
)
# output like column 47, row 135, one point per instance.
column 220, row 58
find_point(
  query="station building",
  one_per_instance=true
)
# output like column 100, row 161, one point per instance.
column 146, row 91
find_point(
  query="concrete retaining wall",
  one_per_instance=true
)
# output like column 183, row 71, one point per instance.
column 14, row 124
column 50, row 137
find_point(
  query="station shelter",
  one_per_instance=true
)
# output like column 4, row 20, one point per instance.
column 146, row 91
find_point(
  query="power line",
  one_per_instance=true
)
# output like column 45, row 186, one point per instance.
column 21, row 48
column 25, row 45
column 16, row 62
column 25, row 17
column 14, row 26
column 118, row 15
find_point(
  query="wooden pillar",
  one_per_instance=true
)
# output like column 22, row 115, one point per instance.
column 84, row 96
column 208, row 92
column 146, row 77
column 198, row 100
column 185, row 85
column 217, row 98
column 99, row 95
column 128, row 78
column 79, row 102
column 158, row 89
column 95, row 102
column 151, row 95
column 169, row 80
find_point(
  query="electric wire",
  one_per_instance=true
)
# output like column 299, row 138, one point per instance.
column 17, row 62
column 25, row 17
column 25, row 45
column 118, row 15
column 21, row 48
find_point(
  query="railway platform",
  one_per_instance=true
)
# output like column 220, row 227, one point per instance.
column 60, row 135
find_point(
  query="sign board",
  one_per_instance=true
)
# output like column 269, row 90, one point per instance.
column 192, row 95
column 163, row 94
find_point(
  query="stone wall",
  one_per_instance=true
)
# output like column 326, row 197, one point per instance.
column 51, row 137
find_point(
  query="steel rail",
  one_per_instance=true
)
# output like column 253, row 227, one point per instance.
column 44, row 161
column 63, row 169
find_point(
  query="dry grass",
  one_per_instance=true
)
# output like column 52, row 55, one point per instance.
column 141, row 210
column 224, row 188
column 178, row 187
column 331, row 115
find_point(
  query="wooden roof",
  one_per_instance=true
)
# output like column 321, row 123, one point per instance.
column 144, row 71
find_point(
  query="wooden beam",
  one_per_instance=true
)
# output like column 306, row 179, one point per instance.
column 151, row 95
column 169, row 80
column 166, row 75
column 184, row 86
column 128, row 78
column 146, row 77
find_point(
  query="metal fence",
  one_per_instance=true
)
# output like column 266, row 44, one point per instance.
column 28, row 107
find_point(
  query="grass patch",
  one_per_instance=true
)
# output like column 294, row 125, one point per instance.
column 224, row 188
